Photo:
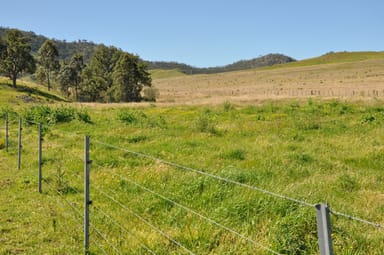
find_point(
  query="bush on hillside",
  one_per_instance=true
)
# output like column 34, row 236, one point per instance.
column 46, row 115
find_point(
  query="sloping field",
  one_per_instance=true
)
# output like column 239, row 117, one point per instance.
column 354, row 76
column 26, row 92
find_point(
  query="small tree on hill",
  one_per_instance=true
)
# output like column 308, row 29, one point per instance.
column 16, row 56
column 47, row 57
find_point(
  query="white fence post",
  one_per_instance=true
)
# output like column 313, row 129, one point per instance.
column 324, row 229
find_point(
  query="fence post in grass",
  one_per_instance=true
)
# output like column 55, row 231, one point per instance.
column 324, row 229
column 6, row 131
column 40, row 157
column 87, row 202
column 19, row 144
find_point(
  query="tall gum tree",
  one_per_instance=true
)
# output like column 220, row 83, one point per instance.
column 129, row 77
column 47, row 59
column 16, row 57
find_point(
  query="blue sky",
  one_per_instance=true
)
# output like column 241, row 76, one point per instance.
column 207, row 32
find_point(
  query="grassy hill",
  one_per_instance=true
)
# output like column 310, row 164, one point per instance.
column 339, row 57
column 26, row 93
column 355, row 75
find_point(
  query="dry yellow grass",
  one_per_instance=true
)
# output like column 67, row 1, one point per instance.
column 361, row 80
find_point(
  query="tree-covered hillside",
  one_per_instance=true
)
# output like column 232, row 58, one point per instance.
column 86, row 48
column 65, row 49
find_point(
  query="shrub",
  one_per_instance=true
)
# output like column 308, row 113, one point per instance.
column 368, row 119
column 64, row 114
column 207, row 123
column 131, row 117
column 39, row 114
column 228, row 106
column 46, row 115
column 84, row 116
column 150, row 94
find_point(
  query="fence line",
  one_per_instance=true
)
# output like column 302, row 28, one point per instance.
column 301, row 202
column 211, row 221
column 350, row 217
column 201, row 216
column 124, row 229
column 378, row 225
column 144, row 220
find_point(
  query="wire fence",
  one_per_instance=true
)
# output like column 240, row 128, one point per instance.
column 70, row 182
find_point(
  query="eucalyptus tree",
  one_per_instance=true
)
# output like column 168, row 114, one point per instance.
column 70, row 75
column 16, row 56
column 129, row 77
column 97, row 76
column 48, row 63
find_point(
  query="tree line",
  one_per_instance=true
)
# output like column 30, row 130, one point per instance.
column 111, row 75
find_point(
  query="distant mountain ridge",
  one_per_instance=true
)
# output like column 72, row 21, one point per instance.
column 267, row 60
column 67, row 49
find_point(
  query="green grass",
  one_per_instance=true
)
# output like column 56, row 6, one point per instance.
column 316, row 151
column 26, row 92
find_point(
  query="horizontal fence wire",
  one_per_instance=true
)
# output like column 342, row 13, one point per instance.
column 143, row 155
column 201, row 216
column 143, row 220
column 301, row 202
column 114, row 221
column 350, row 217
column 105, row 239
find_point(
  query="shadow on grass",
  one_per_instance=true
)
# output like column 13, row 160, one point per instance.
column 35, row 92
